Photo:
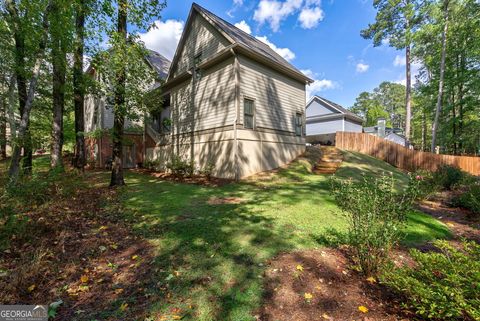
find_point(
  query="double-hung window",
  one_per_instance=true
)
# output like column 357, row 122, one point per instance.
column 196, row 62
column 248, row 113
column 298, row 124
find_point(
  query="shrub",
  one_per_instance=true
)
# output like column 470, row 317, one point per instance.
column 376, row 214
column 427, row 186
column 470, row 199
column 180, row 167
column 448, row 176
column 153, row 165
column 208, row 170
column 441, row 286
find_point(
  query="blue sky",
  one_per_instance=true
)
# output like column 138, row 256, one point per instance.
column 321, row 38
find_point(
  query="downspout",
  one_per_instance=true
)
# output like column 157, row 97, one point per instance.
column 237, row 107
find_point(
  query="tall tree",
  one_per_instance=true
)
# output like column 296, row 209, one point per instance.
column 23, row 136
column 59, row 31
column 395, row 22
column 119, row 115
column 78, row 85
column 438, row 109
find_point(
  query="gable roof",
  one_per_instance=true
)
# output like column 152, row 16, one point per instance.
column 238, row 38
column 159, row 63
column 330, row 104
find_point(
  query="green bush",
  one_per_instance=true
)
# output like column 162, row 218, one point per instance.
column 180, row 167
column 153, row 165
column 427, row 186
column 208, row 170
column 470, row 199
column 441, row 286
column 448, row 176
column 376, row 214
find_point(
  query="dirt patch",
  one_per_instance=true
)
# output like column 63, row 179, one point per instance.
column 224, row 200
column 460, row 221
column 319, row 285
column 195, row 179
column 79, row 251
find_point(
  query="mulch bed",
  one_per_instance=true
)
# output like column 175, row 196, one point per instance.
column 461, row 222
column 338, row 293
column 195, row 179
column 76, row 250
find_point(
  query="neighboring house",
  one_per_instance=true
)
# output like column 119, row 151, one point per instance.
column 381, row 130
column 99, row 120
column 325, row 118
column 229, row 100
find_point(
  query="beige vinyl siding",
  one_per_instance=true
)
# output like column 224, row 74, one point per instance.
column 277, row 97
column 214, row 100
column 215, row 97
column 202, row 37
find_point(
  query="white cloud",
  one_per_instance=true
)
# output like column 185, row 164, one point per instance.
column 286, row 53
column 242, row 25
column 361, row 67
column 318, row 85
column 310, row 17
column 399, row 61
column 273, row 11
column 238, row 2
column 165, row 37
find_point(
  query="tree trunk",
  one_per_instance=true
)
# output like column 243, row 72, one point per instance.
column 424, row 129
column 408, row 98
column 119, row 115
column 23, row 133
column 12, row 122
column 58, row 95
column 438, row 109
column 20, row 70
column 3, row 128
column 79, row 160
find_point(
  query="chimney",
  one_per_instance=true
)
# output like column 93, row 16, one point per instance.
column 381, row 124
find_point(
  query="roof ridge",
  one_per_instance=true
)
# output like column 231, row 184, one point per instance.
column 261, row 47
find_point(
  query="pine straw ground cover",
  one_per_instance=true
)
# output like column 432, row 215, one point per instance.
column 166, row 250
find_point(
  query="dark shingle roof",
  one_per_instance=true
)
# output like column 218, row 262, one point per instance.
column 159, row 63
column 243, row 38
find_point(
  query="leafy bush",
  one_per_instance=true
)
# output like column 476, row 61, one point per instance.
column 448, row 176
column 180, row 167
column 442, row 286
column 470, row 199
column 376, row 214
column 208, row 170
column 153, row 165
column 427, row 186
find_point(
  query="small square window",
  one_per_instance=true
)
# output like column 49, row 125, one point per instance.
column 248, row 113
column 298, row 124
column 197, row 59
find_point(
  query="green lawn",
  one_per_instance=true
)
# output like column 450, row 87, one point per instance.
column 211, row 254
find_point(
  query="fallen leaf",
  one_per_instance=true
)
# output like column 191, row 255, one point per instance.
column 299, row 267
column 84, row 278
column 177, row 317
column 363, row 309
column 124, row 306
column 371, row 280
column 326, row 316
column 177, row 273
column 31, row 288
column 118, row 291
column 134, row 257
column 308, row 296
column 103, row 227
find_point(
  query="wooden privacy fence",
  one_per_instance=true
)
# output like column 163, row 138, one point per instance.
column 402, row 157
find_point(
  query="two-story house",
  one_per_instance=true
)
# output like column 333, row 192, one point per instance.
column 230, row 100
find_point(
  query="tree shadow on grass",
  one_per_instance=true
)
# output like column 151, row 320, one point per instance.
column 210, row 256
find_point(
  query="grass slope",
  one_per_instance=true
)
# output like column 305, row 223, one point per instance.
column 212, row 243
